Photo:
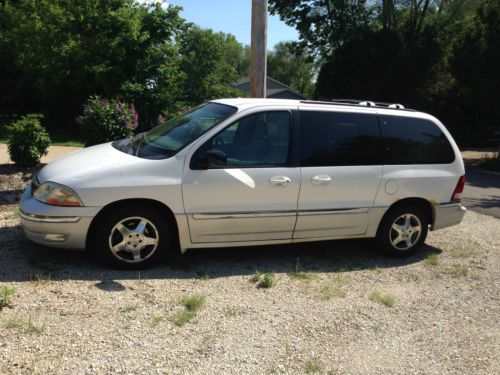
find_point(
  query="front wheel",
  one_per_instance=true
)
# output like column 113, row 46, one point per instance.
column 402, row 231
column 132, row 237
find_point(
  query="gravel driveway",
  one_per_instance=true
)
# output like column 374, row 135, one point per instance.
column 347, row 310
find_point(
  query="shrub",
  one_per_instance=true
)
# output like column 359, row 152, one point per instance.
column 28, row 141
column 106, row 120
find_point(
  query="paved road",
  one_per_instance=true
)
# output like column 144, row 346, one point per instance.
column 482, row 192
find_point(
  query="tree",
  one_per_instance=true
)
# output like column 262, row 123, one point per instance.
column 292, row 66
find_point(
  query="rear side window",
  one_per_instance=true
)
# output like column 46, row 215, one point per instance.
column 339, row 138
column 414, row 141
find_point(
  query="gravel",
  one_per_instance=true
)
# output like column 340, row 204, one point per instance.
column 72, row 315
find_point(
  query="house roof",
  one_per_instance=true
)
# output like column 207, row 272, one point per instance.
column 276, row 88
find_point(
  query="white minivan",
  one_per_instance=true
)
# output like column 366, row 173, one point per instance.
column 238, row 172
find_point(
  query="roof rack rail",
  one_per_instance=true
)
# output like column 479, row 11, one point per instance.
column 362, row 103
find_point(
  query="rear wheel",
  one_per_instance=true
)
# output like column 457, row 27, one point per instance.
column 402, row 231
column 133, row 237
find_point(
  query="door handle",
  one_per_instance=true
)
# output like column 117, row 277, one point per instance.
column 321, row 179
column 280, row 181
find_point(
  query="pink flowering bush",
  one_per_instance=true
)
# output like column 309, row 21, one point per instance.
column 106, row 120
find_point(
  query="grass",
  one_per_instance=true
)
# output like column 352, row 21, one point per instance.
column 34, row 328
column 192, row 304
column 296, row 273
column 41, row 277
column 384, row 299
column 14, row 322
column 313, row 366
column 127, row 309
column 157, row 319
column 327, row 292
column 263, row 280
column 6, row 293
column 232, row 311
column 460, row 271
column 432, row 260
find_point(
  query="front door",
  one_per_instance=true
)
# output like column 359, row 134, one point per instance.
column 341, row 171
column 252, row 196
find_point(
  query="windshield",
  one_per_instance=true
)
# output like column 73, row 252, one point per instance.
column 169, row 138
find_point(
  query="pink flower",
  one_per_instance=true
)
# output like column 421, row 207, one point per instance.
column 161, row 119
column 105, row 102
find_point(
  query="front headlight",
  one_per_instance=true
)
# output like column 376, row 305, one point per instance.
column 57, row 195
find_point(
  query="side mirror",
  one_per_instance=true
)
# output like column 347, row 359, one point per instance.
column 213, row 158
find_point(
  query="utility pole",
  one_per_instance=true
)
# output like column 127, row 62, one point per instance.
column 258, row 54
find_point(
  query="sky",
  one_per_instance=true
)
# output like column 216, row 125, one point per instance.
column 234, row 17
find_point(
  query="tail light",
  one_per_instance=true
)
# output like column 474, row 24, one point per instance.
column 459, row 189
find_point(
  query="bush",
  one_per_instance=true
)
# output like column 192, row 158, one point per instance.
column 28, row 141
column 106, row 120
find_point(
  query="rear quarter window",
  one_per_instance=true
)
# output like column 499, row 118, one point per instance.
column 414, row 141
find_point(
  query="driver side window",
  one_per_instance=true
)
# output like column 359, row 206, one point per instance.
column 261, row 139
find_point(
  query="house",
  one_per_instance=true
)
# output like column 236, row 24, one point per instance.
column 274, row 89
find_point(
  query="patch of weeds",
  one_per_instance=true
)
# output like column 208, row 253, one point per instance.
column 15, row 210
column 232, row 311
column 432, row 260
column 41, row 277
column 460, row 271
column 267, row 281
column 14, row 322
column 298, row 274
column 384, row 299
column 415, row 277
column 338, row 276
column 127, row 309
column 313, row 366
column 31, row 327
column 463, row 253
column 377, row 328
column 256, row 277
column 192, row 304
column 327, row 292
column 6, row 293
column 157, row 319
column 263, row 280
column 204, row 275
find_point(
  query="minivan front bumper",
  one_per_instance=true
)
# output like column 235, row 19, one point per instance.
column 55, row 226
column 448, row 214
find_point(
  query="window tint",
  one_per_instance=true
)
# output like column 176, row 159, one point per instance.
column 257, row 140
column 338, row 138
column 414, row 141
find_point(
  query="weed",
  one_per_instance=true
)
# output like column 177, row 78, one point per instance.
column 298, row 274
column 232, row 311
column 41, row 277
column 127, row 309
column 15, row 210
column 414, row 277
column 157, row 319
column 384, row 299
column 204, row 275
column 267, row 281
column 6, row 293
column 460, row 271
column 432, row 260
column 14, row 322
column 377, row 328
column 192, row 304
column 328, row 292
column 313, row 366
column 256, row 277
column 34, row 328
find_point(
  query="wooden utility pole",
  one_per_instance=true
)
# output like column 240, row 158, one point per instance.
column 258, row 54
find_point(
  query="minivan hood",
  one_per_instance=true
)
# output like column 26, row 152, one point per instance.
column 86, row 162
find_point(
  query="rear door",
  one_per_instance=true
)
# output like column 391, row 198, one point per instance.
column 341, row 168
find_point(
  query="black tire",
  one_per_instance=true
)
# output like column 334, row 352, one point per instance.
column 156, row 228
column 386, row 235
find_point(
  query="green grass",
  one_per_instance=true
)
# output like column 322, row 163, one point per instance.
column 267, row 281
column 327, row 292
column 384, row 299
column 41, row 277
column 31, row 327
column 127, row 309
column 432, row 260
column 313, row 366
column 6, row 293
column 460, row 271
column 157, row 319
column 192, row 304
column 296, row 273
column 14, row 322
column 256, row 277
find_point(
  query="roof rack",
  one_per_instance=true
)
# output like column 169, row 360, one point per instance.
column 362, row 103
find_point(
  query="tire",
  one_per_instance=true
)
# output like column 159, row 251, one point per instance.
column 398, row 234
column 132, row 237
